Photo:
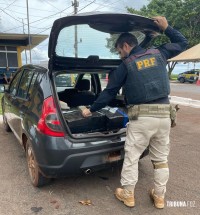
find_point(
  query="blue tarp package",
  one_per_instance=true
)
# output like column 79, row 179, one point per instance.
column 124, row 115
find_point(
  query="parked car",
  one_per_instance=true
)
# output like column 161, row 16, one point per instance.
column 57, row 140
column 189, row 76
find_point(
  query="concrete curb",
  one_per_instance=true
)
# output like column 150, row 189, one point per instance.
column 185, row 101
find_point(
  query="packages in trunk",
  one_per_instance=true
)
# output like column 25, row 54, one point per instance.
column 79, row 124
column 116, row 118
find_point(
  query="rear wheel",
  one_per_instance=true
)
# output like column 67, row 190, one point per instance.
column 182, row 80
column 5, row 124
column 37, row 179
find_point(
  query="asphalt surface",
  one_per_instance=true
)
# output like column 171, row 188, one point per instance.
column 62, row 196
column 186, row 90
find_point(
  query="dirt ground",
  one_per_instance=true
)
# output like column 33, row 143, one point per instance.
column 61, row 197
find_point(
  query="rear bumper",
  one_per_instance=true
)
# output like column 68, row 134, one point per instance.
column 58, row 157
column 93, row 161
column 78, row 163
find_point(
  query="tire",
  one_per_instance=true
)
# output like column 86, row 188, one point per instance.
column 37, row 179
column 5, row 124
column 182, row 80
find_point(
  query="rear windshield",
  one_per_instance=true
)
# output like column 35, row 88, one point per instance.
column 83, row 41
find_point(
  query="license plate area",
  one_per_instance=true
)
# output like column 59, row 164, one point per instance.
column 113, row 156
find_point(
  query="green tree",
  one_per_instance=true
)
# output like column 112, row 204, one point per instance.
column 111, row 42
column 183, row 15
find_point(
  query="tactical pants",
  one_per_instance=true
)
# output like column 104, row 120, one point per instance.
column 152, row 132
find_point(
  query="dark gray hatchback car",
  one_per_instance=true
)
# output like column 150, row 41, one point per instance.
column 43, row 106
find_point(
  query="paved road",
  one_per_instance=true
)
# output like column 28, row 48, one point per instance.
column 18, row 197
column 186, row 90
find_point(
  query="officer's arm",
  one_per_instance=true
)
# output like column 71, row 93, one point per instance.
column 116, row 81
column 178, row 41
column 177, row 45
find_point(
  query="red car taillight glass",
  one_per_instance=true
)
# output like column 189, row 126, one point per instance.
column 49, row 123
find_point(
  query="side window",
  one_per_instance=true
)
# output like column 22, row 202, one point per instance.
column 104, row 77
column 14, row 83
column 33, row 82
column 24, row 83
column 64, row 81
column 104, row 80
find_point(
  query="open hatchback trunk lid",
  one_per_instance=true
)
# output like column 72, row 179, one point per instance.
column 82, row 54
column 86, row 40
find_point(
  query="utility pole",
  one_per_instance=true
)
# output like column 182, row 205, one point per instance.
column 24, row 33
column 75, row 4
column 29, row 36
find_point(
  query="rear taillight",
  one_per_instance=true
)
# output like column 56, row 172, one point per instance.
column 49, row 123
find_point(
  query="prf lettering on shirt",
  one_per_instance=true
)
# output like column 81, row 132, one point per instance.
column 146, row 63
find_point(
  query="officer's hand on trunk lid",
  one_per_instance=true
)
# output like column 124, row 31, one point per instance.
column 161, row 22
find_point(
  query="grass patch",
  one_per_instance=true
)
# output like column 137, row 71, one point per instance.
column 173, row 77
column 1, row 95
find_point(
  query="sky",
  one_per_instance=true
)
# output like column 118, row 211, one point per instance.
column 42, row 13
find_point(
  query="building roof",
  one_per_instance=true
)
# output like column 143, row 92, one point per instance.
column 190, row 55
column 21, row 40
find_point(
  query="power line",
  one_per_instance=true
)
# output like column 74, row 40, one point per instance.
column 12, row 29
column 51, row 5
column 99, row 7
column 106, row 5
column 24, row 13
column 69, row 14
column 44, row 30
column 58, row 13
column 3, row 10
column 50, row 15
column 46, row 20
column 22, row 26
column 36, row 20
column 10, row 15
column 30, row 8
column 86, row 6
column 43, row 18
column 9, row 5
